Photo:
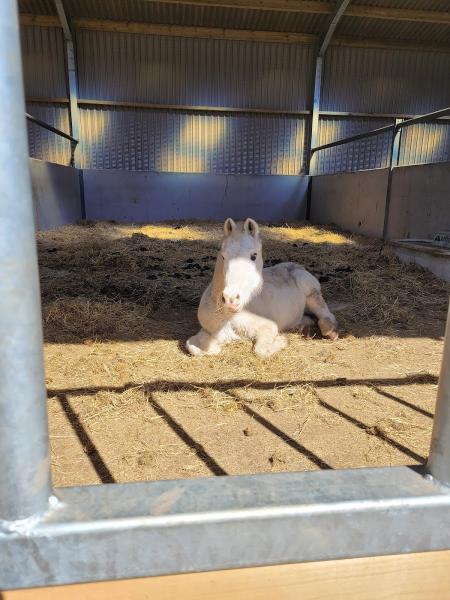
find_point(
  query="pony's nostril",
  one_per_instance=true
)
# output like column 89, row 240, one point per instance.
column 223, row 298
column 238, row 297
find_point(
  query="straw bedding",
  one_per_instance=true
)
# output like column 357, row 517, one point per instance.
column 127, row 403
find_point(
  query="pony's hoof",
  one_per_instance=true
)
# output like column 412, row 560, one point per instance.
column 264, row 350
column 306, row 332
column 193, row 349
column 307, row 326
column 211, row 349
column 328, row 328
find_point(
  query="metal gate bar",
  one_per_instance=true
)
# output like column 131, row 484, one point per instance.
column 25, row 468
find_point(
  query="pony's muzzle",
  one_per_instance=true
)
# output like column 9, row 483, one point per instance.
column 231, row 302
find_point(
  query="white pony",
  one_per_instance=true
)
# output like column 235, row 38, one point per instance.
column 244, row 300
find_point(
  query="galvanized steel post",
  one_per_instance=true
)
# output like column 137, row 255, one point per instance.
column 74, row 110
column 24, row 458
column 394, row 156
column 439, row 461
column 315, row 112
column 338, row 13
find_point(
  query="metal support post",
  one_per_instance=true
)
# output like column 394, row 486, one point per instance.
column 439, row 460
column 338, row 13
column 393, row 162
column 24, row 458
column 315, row 113
column 72, row 82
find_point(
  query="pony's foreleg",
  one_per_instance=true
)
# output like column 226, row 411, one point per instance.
column 316, row 305
column 306, row 326
column 203, row 343
column 267, row 338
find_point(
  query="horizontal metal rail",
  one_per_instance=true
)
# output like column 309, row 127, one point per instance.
column 353, row 138
column 108, row 532
column 51, row 128
column 220, row 109
column 423, row 118
column 394, row 127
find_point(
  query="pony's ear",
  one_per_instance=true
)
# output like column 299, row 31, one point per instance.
column 229, row 226
column 251, row 227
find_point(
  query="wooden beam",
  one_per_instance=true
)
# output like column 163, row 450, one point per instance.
column 423, row 576
column 336, row 113
column 386, row 44
column 40, row 20
column 243, row 34
column 226, row 34
column 294, row 6
column 399, row 14
column 45, row 100
column 325, row 8
column 188, row 107
column 196, row 32
column 306, row 6
column 221, row 109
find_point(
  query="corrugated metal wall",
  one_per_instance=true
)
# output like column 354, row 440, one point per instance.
column 44, row 144
column 425, row 143
column 43, row 61
column 385, row 81
column 193, row 72
column 371, row 153
column 199, row 72
column 190, row 142
column 45, row 77
column 134, row 68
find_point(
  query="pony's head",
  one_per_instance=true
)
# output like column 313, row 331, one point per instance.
column 242, row 263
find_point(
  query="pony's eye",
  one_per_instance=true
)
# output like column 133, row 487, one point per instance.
column 253, row 256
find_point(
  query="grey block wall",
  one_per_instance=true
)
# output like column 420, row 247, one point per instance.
column 420, row 201
column 147, row 196
column 353, row 201
column 420, row 198
column 419, row 207
column 56, row 194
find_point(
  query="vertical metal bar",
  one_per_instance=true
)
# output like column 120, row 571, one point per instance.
column 439, row 461
column 338, row 13
column 73, row 98
column 396, row 144
column 393, row 162
column 74, row 110
column 316, row 113
column 339, row 10
column 24, row 458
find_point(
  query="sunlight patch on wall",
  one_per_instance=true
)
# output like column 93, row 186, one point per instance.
column 291, row 160
column 424, row 143
column 192, row 145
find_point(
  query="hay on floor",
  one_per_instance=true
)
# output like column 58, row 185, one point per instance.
column 119, row 302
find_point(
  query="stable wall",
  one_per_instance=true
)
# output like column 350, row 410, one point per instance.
column 136, row 196
column 419, row 205
column 420, row 201
column 56, row 194
column 352, row 201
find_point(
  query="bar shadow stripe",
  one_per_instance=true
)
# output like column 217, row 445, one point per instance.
column 97, row 461
column 198, row 448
